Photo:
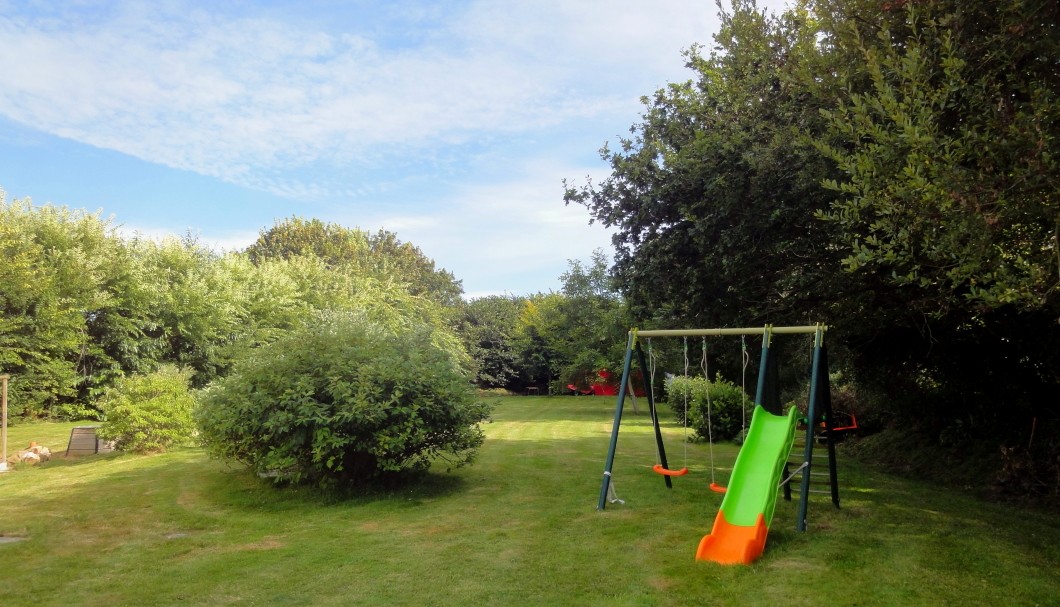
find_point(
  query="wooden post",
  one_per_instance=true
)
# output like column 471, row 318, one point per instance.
column 3, row 423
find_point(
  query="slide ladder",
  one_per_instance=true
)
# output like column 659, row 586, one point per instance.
column 813, row 467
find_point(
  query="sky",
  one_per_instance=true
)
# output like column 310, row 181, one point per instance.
column 450, row 123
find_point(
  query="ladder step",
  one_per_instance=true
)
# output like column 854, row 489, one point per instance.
column 813, row 483
column 812, row 474
column 816, row 452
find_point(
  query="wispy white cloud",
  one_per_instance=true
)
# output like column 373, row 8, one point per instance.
column 497, row 233
column 251, row 100
column 464, row 116
column 494, row 237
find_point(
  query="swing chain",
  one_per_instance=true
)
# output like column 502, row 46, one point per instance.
column 746, row 357
column 686, row 391
column 651, row 368
column 710, row 413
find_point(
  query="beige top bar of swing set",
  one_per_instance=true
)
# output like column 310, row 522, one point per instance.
column 750, row 331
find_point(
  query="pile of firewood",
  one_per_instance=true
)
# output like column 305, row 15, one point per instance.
column 34, row 454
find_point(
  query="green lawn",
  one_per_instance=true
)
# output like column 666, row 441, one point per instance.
column 520, row 527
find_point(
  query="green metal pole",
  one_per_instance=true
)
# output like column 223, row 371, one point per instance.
column 763, row 366
column 811, row 420
column 602, row 502
column 826, row 401
column 655, row 420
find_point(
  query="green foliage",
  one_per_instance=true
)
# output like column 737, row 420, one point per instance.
column 596, row 321
column 296, row 237
column 81, row 307
column 549, row 340
column 947, row 203
column 488, row 328
column 54, row 296
column 886, row 167
column 949, row 184
column 354, row 252
column 563, row 338
column 345, row 400
column 196, row 307
column 715, row 408
column 536, row 339
column 390, row 257
column 712, row 197
column 148, row 413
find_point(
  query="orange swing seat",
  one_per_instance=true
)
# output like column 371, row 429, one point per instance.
column 666, row 472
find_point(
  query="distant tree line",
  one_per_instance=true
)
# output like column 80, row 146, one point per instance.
column 548, row 341
column 83, row 307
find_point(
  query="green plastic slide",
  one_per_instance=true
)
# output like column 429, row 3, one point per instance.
column 753, row 485
column 739, row 533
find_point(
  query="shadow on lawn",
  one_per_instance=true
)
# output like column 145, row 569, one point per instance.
column 235, row 486
column 217, row 484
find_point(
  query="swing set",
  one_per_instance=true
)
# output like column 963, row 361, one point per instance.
column 763, row 464
column 705, row 368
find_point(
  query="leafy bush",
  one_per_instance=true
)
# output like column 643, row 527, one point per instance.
column 726, row 402
column 148, row 413
column 494, row 392
column 343, row 401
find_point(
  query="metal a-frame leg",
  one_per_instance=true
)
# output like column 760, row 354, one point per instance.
column 613, row 445
column 654, row 414
column 820, row 409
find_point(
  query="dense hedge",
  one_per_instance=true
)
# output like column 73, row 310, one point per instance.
column 726, row 402
column 344, row 401
column 148, row 413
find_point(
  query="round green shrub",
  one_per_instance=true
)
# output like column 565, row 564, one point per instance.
column 148, row 413
column 344, row 401
column 726, row 406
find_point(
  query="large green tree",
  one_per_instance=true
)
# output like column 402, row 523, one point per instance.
column 948, row 198
column 381, row 255
column 538, row 340
column 196, row 312
column 712, row 197
column 74, row 311
column 40, row 331
column 595, row 321
column 950, row 182
column 887, row 167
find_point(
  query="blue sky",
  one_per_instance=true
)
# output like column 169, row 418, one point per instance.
column 452, row 124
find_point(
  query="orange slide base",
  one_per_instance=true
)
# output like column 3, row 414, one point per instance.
column 730, row 544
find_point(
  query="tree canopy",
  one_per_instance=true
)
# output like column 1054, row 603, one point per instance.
column 83, row 307
column 382, row 255
column 712, row 196
column 885, row 167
